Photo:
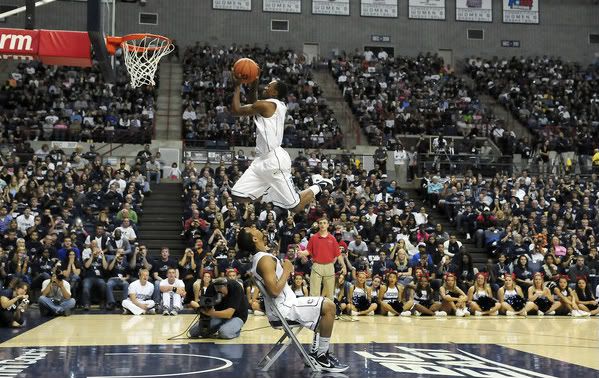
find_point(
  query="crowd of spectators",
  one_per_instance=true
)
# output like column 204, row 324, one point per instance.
column 527, row 224
column 68, row 226
column 391, row 251
column 40, row 102
column 207, row 93
column 557, row 100
column 408, row 95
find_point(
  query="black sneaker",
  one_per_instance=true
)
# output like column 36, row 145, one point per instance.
column 324, row 183
column 333, row 359
column 324, row 363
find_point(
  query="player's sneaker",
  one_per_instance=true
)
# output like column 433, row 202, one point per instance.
column 325, row 363
column 324, row 183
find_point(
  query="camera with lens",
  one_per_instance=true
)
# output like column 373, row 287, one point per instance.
column 204, row 330
column 59, row 275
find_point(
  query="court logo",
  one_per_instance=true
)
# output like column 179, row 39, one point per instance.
column 17, row 365
column 438, row 362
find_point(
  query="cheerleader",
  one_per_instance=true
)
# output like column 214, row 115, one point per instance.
column 511, row 298
column 390, row 298
column 541, row 296
column 584, row 298
column 480, row 297
column 566, row 297
column 298, row 287
column 255, row 299
column 361, row 297
column 453, row 298
column 375, row 287
column 424, row 298
column 339, row 297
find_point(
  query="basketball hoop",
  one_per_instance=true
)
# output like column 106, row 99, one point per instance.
column 142, row 53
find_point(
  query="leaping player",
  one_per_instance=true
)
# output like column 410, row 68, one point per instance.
column 315, row 313
column 268, row 178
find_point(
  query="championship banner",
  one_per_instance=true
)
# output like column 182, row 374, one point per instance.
column 282, row 6
column 331, row 7
column 521, row 11
column 427, row 9
column 379, row 8
column 474, row 10
column 244, row 5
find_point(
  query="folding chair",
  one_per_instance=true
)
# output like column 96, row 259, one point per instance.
column 289, row 336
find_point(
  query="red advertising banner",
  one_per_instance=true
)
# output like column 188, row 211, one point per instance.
column 56, row 47
column 19, row 43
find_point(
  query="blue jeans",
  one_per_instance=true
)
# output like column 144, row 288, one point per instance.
column 88, row 284
column 115, row 282
column 47, row 303
column 227, row 328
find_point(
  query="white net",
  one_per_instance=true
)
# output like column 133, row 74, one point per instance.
column 142, row 56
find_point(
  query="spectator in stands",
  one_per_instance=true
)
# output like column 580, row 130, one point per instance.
column 118, row 272
column 160, row 269
column 172, row 291
column 56, row 296
column 140, row 293
column 95, row 267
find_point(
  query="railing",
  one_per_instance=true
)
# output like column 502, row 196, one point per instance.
column 459, row 164
column 128, row 136
column 211, row 144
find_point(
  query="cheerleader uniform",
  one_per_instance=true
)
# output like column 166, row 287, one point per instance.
column 586, row 296
column 542, row 302
column 391, row 297
column 483, row 300
column 299, row 293
column 336, row 301
column 422, row 298
column 513, row 299
column 260, row 297
column 360, row 300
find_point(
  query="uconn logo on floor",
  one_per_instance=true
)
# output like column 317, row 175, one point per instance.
column 438, row 362
column 17, row 365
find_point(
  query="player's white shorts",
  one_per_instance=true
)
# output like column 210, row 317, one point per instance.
column 269, row 177
column 306, row 311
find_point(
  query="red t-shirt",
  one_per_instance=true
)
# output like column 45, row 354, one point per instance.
column 323, row 249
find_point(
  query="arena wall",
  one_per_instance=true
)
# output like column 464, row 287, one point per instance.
column 563, row 29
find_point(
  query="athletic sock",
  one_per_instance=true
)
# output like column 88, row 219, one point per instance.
column 323, row 345
column 315, row 189
column 314, row 347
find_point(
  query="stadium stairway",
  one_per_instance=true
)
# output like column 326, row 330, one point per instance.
column 479, row 255
column 352, row 133
column 168, row 113
column 161, row 223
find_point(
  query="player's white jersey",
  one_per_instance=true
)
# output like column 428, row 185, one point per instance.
column 285, row 300
column 269, row 131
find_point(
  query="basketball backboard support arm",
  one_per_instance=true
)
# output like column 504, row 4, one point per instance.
column 97, row 39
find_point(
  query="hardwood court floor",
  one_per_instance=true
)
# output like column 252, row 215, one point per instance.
column 572, row 341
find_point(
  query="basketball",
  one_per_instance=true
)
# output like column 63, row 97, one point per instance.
column 246, row 70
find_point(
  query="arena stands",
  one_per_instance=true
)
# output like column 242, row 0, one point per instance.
column 42, row 102
column 408, row 95
column 557, row 100
column 207, row 94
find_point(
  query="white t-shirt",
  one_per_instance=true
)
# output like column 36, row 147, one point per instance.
column 178, row 283
column 55, row 292
column 142, row 293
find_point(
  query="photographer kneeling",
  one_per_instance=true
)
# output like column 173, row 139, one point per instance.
column 56, row 296
column 223, row 309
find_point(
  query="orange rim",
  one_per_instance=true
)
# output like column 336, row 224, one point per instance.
column 113, row 43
